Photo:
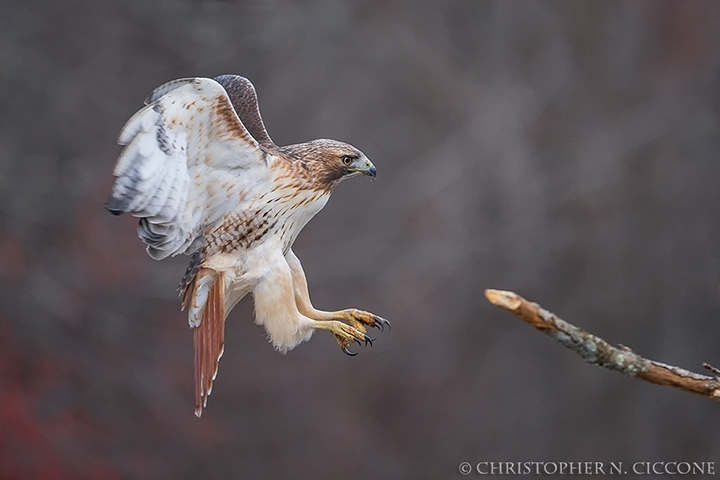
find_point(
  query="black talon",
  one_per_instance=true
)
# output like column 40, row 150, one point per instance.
column 381, row 323
column 357, row 341
column 368, row 341
column 348, row 352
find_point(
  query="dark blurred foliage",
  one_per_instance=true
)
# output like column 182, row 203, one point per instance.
column 565, row 150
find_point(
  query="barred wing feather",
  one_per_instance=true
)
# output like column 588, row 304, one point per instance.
column 188, row 161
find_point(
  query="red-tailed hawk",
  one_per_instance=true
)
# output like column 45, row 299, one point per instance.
column 206, row 180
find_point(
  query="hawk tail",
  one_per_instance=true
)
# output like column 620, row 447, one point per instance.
column 209, row 341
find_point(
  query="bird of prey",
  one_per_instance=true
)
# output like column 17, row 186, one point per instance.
column 202, row 174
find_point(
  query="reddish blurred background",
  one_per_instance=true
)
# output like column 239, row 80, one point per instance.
column 565, row 150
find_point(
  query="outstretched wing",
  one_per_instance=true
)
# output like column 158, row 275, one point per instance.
column 244, row 100
column 188, row 160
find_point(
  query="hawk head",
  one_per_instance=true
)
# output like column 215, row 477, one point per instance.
column 330, row 162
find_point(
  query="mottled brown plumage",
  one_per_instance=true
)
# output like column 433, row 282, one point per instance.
column 317, row 161
column 205, row 178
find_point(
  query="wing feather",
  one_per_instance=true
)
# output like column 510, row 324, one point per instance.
column 188, row 159
column 167, row 87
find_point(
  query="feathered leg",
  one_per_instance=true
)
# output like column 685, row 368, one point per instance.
column 358, row 319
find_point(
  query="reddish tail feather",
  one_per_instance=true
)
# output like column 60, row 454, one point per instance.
column 209, row 343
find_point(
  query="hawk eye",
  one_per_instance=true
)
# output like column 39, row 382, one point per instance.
column 347, row 160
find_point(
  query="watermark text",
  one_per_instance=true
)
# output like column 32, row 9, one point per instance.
column 587, row 468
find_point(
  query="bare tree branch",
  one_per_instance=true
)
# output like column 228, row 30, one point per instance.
column 597, row 351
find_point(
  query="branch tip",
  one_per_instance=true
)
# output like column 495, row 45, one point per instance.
column 504, row 299
column 711, row 368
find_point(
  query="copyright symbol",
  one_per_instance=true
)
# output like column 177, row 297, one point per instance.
column 465, row 468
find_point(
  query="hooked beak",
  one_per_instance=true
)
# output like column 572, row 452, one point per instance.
column 366, row 167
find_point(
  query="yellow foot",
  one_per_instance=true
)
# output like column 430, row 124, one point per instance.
column 344, row 334
column 358, row 321
column 361, row 320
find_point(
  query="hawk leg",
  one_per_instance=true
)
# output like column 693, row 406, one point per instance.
column 348, row 325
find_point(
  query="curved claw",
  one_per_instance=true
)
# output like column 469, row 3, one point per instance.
column 381, row 323
column 369, row 341
column 348, row 352
column 357, row 341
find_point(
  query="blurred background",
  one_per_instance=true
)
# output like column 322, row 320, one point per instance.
column 564, row 150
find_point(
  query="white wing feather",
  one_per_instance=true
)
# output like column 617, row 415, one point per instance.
column 188, row 160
